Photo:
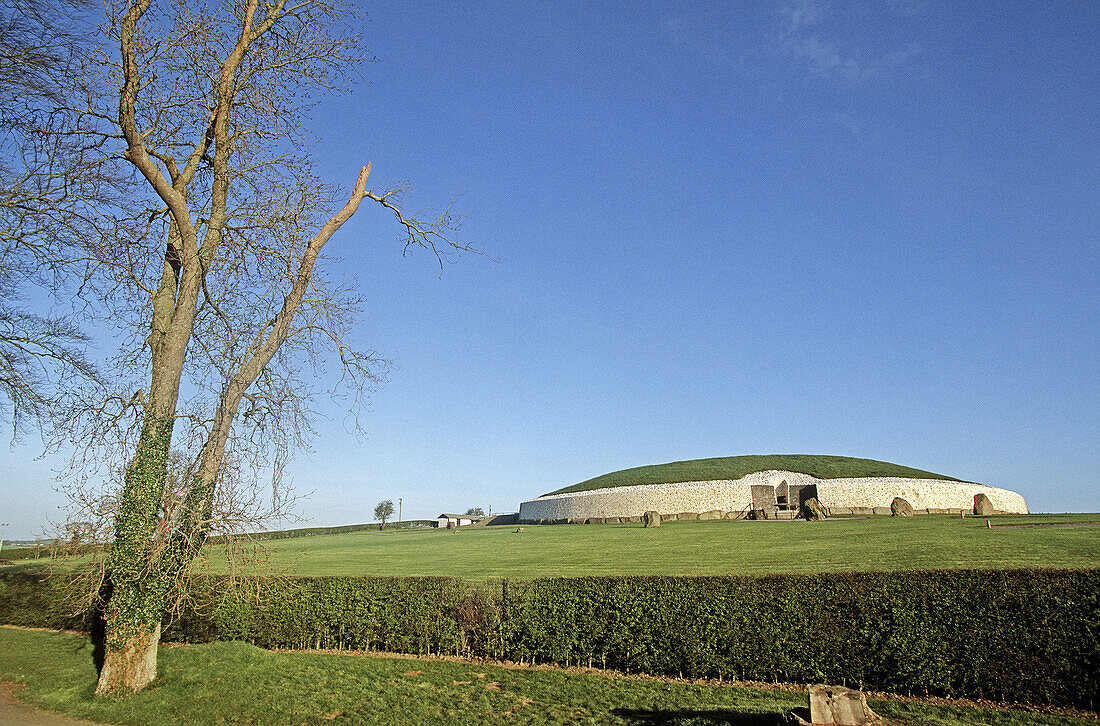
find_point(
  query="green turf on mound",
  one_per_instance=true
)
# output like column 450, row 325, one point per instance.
column 735, row 467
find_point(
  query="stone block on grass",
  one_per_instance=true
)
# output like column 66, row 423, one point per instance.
column 812, row 511
column 901, row 508
column 983, row 507
column 839, row 706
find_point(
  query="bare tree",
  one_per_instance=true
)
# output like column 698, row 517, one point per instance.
column 39, row 353
column 383, row 511
column 209, row 261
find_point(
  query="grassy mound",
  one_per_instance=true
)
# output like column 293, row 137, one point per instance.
column 736, row 467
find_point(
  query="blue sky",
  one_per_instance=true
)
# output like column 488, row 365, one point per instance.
column 866, row 229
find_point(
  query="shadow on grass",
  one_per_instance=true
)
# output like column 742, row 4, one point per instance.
column 695, row 717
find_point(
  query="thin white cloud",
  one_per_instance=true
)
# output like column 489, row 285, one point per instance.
column 802, row 13
column 803, row 39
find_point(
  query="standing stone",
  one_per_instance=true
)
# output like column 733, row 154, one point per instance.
column 838, row 706
column 652, row 519
column 812, row 510
column 900, row 508
column 982, row 506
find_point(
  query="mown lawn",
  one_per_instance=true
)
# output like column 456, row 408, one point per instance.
column 235, row 683
column 698, row 548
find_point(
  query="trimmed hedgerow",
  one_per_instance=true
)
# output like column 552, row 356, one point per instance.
column 401, row 615
column 1020, row 635
column 1030, row 636
column 33, row 600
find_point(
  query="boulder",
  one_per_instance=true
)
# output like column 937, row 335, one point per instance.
column 812, row 510
column 982, row 506
column 900, row 508
column 839, row 706
column 651, row 519
column 519, row 529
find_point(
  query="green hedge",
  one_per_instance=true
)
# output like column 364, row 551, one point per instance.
column 1030, row 636
column 401, row 615
column 34, row 600
column 1024, row 635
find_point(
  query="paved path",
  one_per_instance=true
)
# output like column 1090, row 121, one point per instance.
column 14, row 713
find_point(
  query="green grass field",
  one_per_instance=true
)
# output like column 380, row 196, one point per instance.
column 688, row 548
column 235, row 683
column 699, row 548
column 736, row 467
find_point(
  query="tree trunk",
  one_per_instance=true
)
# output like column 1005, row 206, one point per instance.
column 130, row 663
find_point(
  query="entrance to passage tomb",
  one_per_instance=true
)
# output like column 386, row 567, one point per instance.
column 780, row 501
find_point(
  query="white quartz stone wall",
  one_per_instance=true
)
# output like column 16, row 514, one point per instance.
column 735, row 496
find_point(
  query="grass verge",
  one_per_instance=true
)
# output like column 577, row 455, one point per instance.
column 234, row 683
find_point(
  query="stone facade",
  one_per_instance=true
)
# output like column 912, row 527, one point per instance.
column 840, row 496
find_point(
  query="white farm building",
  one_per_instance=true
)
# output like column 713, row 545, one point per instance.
column 454, row 520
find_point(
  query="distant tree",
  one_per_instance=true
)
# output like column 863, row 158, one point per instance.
column 383, row 511
column 475, row 512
